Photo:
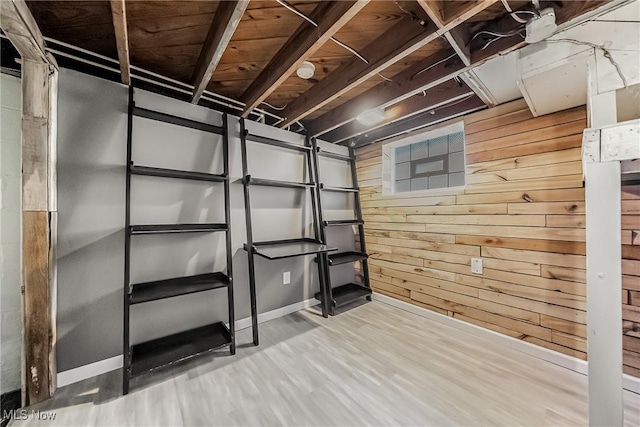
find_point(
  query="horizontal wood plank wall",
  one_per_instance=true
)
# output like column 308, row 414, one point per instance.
column 522, row 211
column 631, row 279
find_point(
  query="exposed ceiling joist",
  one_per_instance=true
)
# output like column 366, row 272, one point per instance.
column 420, row 121
column 401, row 40
column 458, row 38
column 423, row 75
column 224, row 24
column 437, row 97
column 119, row 15
column 395, row 44
column 19, row 26
column 307, row 39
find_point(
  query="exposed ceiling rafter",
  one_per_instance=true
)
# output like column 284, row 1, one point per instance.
column 438, row 96
column 119, row 16
column 404, row 38
column 224, row 24
column 421, row 76
column 18, row 24
column 423, row 120
column 305, row 41
column 321, row 93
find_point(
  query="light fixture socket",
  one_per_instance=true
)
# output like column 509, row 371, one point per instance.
column 306, row 70
column 371, row 117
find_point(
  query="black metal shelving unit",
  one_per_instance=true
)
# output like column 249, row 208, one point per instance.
column 172, row 349
column 286, row 248
column 333, row 297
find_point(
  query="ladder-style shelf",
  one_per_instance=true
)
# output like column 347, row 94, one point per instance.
column 186, row 345
column 286, row 248
column 334, row 297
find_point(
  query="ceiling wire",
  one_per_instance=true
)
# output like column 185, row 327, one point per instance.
column 333, row 39
column 514, row 14
column 274, row 107
column 434, row 64
column 606, row 53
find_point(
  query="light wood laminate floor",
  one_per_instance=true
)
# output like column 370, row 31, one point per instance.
column 371, row 365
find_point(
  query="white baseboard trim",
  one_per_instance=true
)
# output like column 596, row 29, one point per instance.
column 111, row 364
column 628, row 382
column 278, row 312
column 88, row 371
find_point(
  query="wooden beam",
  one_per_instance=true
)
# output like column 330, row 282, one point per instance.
column 459, row 38
column 347, row 77
column 435, row 11
column 224, row 24
column 18, row 24
column 404, row 38
column 420, row 121
column 307, row 39
column 450, row 91
column 39, row 200
column 39, row 89
column 423, row 75
column 119, row 17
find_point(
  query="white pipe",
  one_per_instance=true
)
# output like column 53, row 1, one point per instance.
column 208, row 95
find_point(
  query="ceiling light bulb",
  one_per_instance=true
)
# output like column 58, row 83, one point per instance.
column 306, row 70
column 371, row 117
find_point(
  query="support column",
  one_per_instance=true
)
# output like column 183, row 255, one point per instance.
column 39, row 200
column 604, row 293
column 39, row 226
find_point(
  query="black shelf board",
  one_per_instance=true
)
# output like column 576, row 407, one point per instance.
column 173, row 173
column 274, row 183
column 346, row 257
column 277, row 143
column 176, row 228
column 339, row 189
column 174, row 120
column 335, row 155
column 345, row 294
column 167, row 288
column 343, row 222
column 280, row 249
column 173, row 349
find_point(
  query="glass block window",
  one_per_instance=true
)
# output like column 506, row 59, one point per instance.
column 430, row 164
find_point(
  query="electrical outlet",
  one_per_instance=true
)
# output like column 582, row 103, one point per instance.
column 476, row 265
column 286, row 277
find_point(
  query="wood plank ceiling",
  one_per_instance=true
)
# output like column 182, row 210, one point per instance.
column 401, row 55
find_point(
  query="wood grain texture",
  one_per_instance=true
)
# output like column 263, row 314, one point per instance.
column 38, row 332
column 119, row 14
column 307, row 40
column 631, row 281
column 224, row 25
column 19, row 25
column 522, row 209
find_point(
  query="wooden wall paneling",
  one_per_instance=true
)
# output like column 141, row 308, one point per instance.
column 544, row 146
column 522, row 211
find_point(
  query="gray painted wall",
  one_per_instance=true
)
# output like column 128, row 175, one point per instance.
column 10, row 214
column 91, row 184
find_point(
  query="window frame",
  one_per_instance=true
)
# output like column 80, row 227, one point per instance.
column 389, row 161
